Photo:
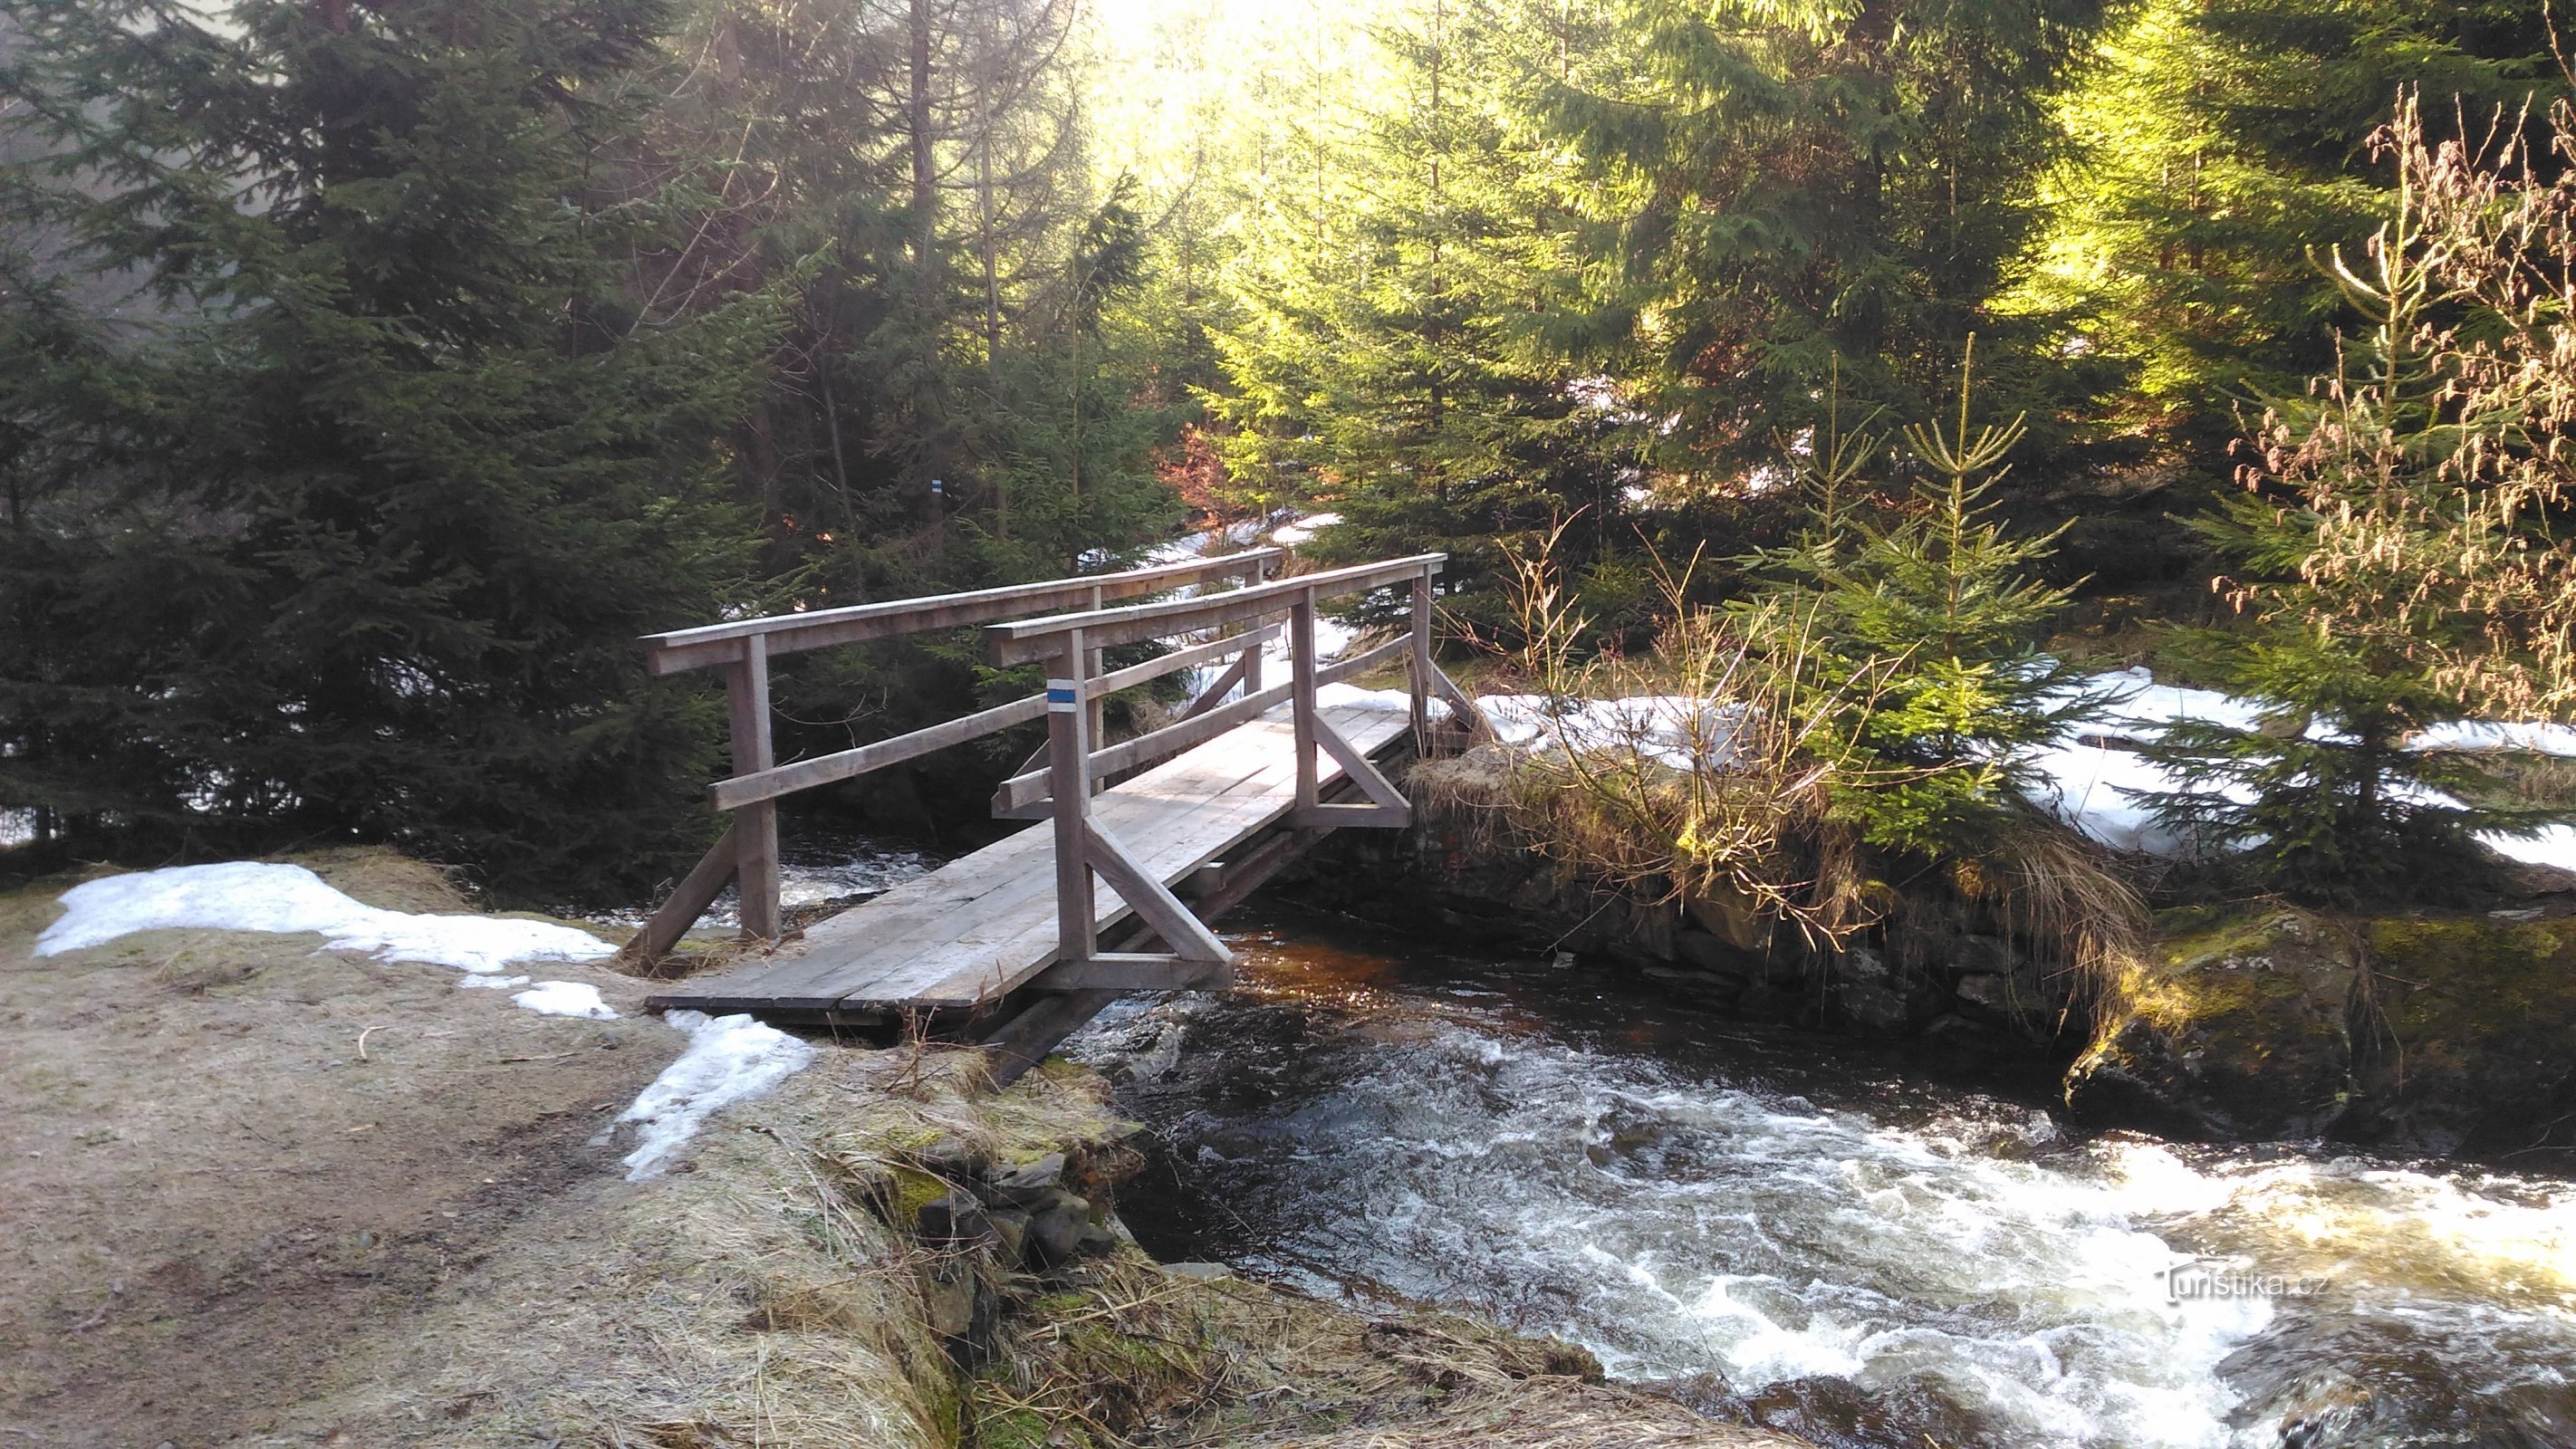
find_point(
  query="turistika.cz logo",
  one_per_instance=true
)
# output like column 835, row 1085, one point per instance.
column 2215, row 1279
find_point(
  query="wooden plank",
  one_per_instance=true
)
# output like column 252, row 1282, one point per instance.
column 1301, row 698
column 1134, row 971
column 1359, row 769
column 689, row 900
column 985, row 925
column 1020, row 791
column 755, row 829
column 1029, row 639
column 741, row 790
column 996, row 953
column 684, row 649
column 1069, row 781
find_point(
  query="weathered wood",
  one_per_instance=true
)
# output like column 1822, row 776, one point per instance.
column 741, row 790
column 1028, row 1038
column 1189, row 938
column 689, row 900
column 1029, row 639
column 1069, row 775
column 1360, row 770
column 1301, row 697
column 1418, row 666
column 684, row 649
column 1249, row 874
column 1023, row 791
column 755, row 828
column 986, row 924
column 1360, row 663
column 1344, row 817
column 1235, row 673
column 1134, row 971
column 1471, row 715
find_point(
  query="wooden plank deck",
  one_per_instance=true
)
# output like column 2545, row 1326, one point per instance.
column 983, row 925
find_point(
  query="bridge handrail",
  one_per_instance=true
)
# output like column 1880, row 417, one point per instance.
column 1030, row 639
column 748, row 853
column 714, row 644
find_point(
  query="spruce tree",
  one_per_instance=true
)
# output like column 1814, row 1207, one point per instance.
column 1385, row 361
column 367, row 507
column 2372, row 522
column 1918, row 625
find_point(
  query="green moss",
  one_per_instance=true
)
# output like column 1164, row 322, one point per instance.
column 2475, row 980
column 914, row 1190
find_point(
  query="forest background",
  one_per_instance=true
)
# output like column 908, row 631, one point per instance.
column 372, row 372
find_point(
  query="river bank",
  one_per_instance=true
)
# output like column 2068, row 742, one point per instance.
column 1872, row 1244
column 269, row 1185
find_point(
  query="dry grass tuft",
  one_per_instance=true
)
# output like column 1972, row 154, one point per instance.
column 1127, row 1354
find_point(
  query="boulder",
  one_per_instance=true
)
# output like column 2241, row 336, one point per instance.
column 1027, row 1184
column 1704, row 951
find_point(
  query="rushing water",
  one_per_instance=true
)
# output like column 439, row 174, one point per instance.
column 1864, row 1249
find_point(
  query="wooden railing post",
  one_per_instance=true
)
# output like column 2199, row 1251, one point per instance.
column 755, row 831
column 1069, row 776
column 1420, row 665
column 1301, row 694
column 1096, row 710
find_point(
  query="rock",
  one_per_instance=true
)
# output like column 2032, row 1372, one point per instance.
column 1026, row 1185
column 1203, row 1272
column 1989, row 997
column 1763, row 1001
column 1981, row 955
column 1872, row 1010
column 1952, row 1029
column 1010, row 1233
column 1714, row 954
column 1095, row 1240
column 953, row 1220
column 1732, row 917
column 962, row 1307
column 951, row 1157
column 1866, row 996
column 1055, row 1233
column 2242, row 1030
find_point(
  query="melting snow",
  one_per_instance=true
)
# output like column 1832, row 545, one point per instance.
column 259, row 896
column 729, row 1059
column 1304, row 529
column 565, row 998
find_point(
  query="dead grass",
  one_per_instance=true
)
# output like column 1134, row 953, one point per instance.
column 1125, row 1353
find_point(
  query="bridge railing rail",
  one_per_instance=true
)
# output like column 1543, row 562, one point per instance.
column 747, row 854
column 1070, row 645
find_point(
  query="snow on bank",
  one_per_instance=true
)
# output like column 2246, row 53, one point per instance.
column 258, row 896
column 2088, row 778
column 729, row 1059
column 1675, row 731
column 565, row 998
column 1303, row 530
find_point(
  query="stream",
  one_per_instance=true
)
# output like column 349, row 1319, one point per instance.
column 1837, row 1240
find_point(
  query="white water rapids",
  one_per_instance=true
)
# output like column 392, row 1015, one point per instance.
column 1864, row 1255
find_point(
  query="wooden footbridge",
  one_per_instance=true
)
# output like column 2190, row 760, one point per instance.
column 1019, row 943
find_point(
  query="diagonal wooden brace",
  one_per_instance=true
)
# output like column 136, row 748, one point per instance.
column 1188, row 936
column 1361, row 770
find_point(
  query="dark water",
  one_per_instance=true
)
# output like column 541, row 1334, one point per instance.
column 1870, row 1246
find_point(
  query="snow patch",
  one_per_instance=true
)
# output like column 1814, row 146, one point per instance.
column 729, row 1059
column 258, row 896
column 565, row 998
column 1672, row 730
column 1303, row 530
column 491, row 983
